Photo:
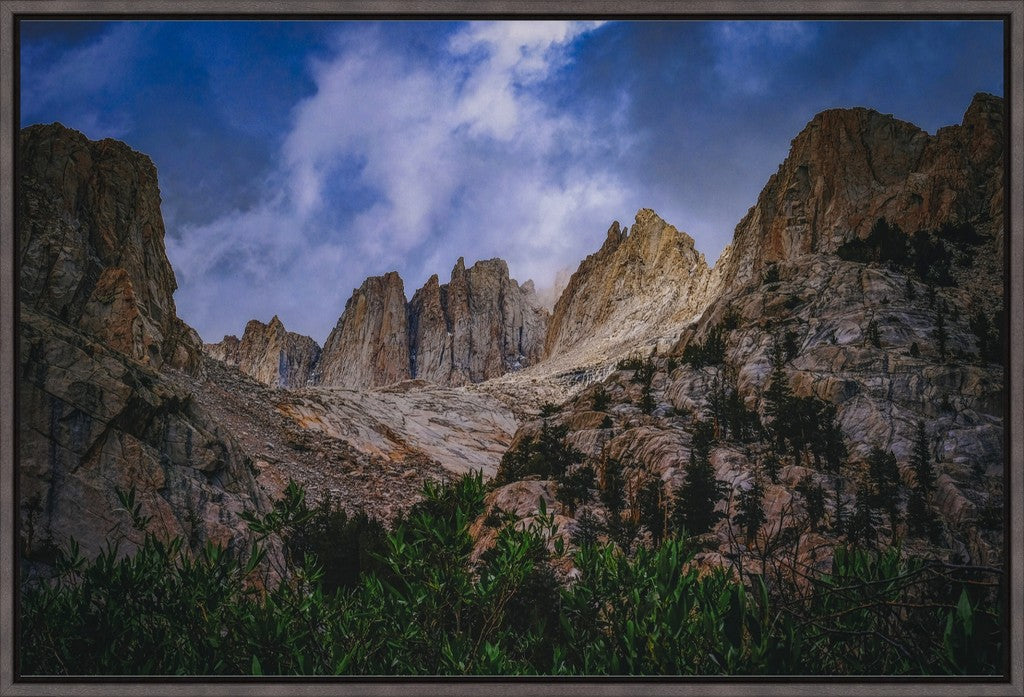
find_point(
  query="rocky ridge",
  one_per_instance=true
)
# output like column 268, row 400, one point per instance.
column 479, row 325
column 645, row 277
column 90, row 245
column 849, row 167
column 269, row 353
column 98, row 336
column 863, row 337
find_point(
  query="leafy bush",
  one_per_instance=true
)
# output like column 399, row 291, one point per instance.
column 427, row 609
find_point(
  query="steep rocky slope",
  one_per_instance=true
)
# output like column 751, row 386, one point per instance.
column 881, row 342
column 479, row 325
column 370, row 344
column 90, row 245
column 269, row 353
column 97, row 324
column 639, row 289
column 850, row 167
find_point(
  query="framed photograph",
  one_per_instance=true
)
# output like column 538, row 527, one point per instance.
column 555, row 348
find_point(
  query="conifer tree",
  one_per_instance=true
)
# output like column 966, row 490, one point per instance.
column 940, row 330
column 874, row 338
column 588, row 529
column 574, row 487
column 750, row 509
column 862, row 527
column 884, row 482
column 696, row 498
column 778, row 401
column 920, row 516
column 612, row 490
column 813, row 496
column 651, row 505
column 770, row 465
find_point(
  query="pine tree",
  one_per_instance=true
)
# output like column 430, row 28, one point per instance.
column 884, row 482
column 695, row 500
column 574, row 488
column 814, row 500
column 613, row 486
column 921, row 461
column 920, row 516
column 862, row 527
column 750, row 509
column 588, row 529
column 770, row 465
column 651, row 505
column 778, row 402
column 940, row 330
column 874, row 338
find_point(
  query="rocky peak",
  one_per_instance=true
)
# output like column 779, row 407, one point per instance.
column 850, row 167
column 97, row 327
column 480, row 325
column 269, row 353
column 91, row 245
column 641, row 282
column 369, row 346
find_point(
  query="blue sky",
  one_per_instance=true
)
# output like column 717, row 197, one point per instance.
column 297, row 158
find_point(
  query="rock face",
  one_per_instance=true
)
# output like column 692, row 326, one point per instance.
column 850, row 167
column 97, row 321
column 91, row 246
column 270, row 354
column 642, row 282
column 370, row 344
column 866, row 338
column 480, row 325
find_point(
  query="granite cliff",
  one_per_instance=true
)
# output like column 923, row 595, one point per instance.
column 866, row 282
column 479, row 325
column 269, row 353
column 98, row 336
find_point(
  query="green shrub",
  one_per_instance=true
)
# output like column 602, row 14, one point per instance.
column 427, row 609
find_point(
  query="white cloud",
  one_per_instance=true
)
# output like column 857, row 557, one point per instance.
column 464, row 157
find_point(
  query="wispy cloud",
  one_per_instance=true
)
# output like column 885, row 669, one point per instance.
column 78, row 76
column 743, row 48
column 463, row 157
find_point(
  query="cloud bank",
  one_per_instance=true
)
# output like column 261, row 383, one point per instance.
column 397, row 164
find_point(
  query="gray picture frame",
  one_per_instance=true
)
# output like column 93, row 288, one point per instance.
column 1012, row 10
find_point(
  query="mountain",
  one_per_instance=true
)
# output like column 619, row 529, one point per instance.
column 269, row 353
column 643, row 282
column 849, row 167
column 852, row 318
column 370, row 344
column 855, row 312
column 479, row 325
column 99, row 344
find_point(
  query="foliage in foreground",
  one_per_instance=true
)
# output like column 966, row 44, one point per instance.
column 421, row 607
